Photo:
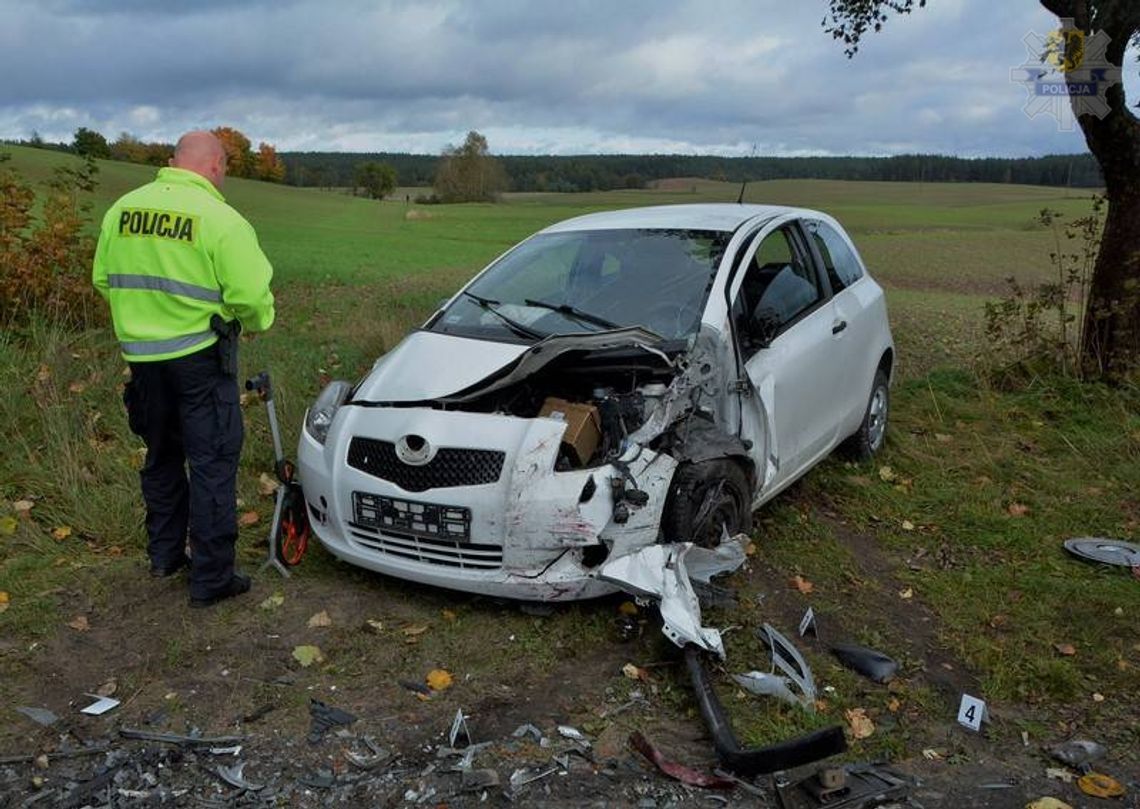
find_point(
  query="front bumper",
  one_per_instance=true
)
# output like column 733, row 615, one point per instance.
column 528, row 529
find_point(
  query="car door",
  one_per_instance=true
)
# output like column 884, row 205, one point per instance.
column 854, row 330
column 782, row 318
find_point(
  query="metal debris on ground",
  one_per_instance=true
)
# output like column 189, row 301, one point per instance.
column 100, row 706
column 853, row 786
column 1099, row 785
column 870, row 663
column 41, row 716
column 680, row 772
column 1079, row 753
column 234, row 776
column 324, row 718
column 772, row 685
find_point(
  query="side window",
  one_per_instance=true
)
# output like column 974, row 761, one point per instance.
column 843, row 267
column 779, row 285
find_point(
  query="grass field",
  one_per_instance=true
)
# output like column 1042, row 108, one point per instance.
column 946, row 551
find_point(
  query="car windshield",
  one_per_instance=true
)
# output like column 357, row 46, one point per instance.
column 588, row 281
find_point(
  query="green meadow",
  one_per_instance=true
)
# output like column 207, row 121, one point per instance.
column 945, row 551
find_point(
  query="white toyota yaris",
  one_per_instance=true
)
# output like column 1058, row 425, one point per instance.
column 616, row 380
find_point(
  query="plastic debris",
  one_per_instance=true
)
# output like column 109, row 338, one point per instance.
column 871, row 664
column 1059, row 773
column 680, row 772
column 41, row 716
column 1099, row 785
column 234, row 777
column 788, row 659
column 771, row 685
column 324, row 718
column 1079, row 753
column 522, row 776
column 459, row 736
column 419, row 689
column 100, row 706
column 234, row 750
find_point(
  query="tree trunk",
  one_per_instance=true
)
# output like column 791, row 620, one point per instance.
column 1110, row 339
column 1110, row 335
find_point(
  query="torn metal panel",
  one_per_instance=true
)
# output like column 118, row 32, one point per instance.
column 658, row 572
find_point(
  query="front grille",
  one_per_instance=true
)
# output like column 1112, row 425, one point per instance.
column 447, row 553
column 450, row 466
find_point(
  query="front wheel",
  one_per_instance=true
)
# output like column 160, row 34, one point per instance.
column 872, row 432
column 707, row 499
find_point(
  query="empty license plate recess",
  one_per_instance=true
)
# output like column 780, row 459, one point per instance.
column 429, row 520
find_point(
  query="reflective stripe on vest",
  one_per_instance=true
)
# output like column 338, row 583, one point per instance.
column 150, row 347
column 157, row 284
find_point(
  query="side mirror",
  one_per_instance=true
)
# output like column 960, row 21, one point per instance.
column 763, row 327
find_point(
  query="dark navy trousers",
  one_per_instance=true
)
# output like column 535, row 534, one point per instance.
column 188, row 413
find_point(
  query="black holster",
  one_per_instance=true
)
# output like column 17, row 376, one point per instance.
column 228, row 333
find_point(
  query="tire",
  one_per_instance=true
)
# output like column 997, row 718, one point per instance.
column 872, row 432
column 706, row 499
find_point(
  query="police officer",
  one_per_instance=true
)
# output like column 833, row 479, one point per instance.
column 172, row 258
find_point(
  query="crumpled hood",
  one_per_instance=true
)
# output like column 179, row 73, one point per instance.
column 428, row 365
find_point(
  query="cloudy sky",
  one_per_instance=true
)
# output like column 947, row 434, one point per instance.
column 534, row 76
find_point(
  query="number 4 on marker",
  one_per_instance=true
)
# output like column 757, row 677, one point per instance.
column 972, row 712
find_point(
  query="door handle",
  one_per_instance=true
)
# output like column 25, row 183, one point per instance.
column 838, row 326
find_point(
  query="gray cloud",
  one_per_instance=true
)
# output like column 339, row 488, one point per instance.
column 565, row 77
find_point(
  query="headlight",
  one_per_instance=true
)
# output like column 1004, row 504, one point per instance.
column 320, row 415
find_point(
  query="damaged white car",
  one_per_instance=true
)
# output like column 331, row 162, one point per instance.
column 615, row 381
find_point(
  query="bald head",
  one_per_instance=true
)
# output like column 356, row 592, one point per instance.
column 202, row 153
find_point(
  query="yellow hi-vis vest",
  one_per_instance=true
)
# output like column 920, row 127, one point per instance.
column 171, row 254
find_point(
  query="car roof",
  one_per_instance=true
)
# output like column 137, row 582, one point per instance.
column 723, row 216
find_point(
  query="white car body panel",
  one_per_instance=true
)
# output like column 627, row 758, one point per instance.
column 532, row 530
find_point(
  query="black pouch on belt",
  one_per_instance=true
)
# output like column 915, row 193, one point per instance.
column 228, row 332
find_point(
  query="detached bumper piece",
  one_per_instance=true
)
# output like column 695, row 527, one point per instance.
column 744, row 762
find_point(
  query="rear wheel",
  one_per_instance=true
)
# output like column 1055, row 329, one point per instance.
column 872, row 432
column 706, row 500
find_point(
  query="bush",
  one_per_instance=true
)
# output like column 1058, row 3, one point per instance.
column 1038, row 327
column 47, row 257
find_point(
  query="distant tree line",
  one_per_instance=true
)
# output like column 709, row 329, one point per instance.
column 608, row 172
column 241, row 159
